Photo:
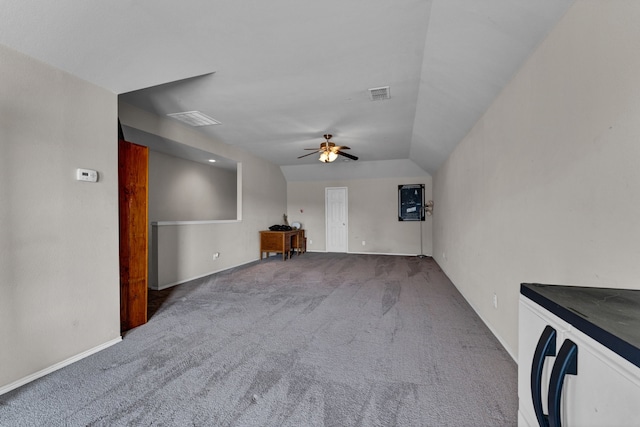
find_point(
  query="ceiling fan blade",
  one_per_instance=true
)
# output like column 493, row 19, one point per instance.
column 348, row 156
column 305, row 155
column 337, row 148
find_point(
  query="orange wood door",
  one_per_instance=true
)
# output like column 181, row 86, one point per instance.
column 133, row 189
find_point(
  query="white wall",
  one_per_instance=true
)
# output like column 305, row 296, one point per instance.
column 59, row 279
column 546, row 187
column 186, row 251
column 373, row 215
column 184, row 190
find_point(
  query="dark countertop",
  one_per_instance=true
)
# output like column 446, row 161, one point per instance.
column 609, row 316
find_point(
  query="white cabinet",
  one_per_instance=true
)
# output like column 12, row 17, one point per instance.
column 605, row 390
column 532, row 321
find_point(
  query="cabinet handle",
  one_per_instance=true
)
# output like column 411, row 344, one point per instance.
column 546, row 348
column 566, row 364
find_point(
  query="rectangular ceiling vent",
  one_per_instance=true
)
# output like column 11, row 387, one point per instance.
column 194, row 118
column 379, row 93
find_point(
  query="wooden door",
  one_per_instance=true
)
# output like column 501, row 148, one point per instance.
column 336, row 219
column 133, row 189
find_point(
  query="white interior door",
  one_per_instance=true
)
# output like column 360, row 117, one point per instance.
column 336, row 218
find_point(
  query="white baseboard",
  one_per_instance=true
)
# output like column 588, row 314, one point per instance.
column 22, row 381
column 493, row 331
column 169, row 285
column 371, row 253
column 383, row 253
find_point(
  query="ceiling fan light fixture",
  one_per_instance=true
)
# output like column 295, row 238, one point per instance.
column 329, row 151
column 327, row 156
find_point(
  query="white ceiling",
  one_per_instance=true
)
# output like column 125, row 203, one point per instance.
column 279, row 74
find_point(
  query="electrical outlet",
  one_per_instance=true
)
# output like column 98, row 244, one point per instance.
column 310, row 242
column 495, row 300
column 364, row 243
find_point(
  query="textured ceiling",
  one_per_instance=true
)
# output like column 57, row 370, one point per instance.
column 280, row 74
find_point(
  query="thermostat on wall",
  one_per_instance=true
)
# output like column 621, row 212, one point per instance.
column 87, row 175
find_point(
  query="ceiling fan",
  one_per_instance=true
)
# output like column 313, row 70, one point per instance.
column 329, row 151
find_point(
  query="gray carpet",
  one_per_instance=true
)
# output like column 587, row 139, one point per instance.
column 318, row 340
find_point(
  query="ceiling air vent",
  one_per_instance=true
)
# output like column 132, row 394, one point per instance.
column 194, row 118
column 379, row 93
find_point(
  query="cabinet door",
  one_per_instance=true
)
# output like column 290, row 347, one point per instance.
column 606, row 390
column 532, row 322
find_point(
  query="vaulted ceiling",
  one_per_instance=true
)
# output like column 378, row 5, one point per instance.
column 279, row 74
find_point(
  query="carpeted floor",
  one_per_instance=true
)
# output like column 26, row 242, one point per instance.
column 318, row 340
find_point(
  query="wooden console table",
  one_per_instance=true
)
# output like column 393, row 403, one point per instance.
column 282, row 242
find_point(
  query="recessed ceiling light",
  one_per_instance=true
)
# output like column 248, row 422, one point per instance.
column 194, row 118
column 212, row 160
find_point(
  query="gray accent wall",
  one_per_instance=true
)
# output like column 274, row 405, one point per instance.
column 184, row 250
column 546, row 186
column 59, row 279
column 184, row 190
column 59, row 274
column 372, row 215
